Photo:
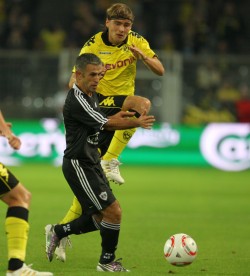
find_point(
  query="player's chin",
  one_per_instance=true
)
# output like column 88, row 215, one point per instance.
column 120, row 39
column 93, row 88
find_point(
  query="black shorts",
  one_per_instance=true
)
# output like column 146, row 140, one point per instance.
column 7, row 180
column 110, row 105
column 89, row 185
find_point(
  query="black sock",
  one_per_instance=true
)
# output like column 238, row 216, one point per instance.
column 15, row 264
column 83, row 224
column 110, row 235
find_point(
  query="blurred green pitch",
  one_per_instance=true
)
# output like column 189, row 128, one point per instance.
column 211, row 206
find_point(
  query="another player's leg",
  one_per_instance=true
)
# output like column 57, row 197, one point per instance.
column 109, row 226
column 73, row 213
column 110, row 162
column 17, row 197
column 55, row 233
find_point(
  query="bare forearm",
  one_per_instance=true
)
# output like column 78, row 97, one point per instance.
column 118, row 124
column 154, row 65
column 123, row 120
column 4, row 128
column 5, row 131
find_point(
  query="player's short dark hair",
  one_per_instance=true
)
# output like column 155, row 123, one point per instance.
column 87, row 58
column 119, row 11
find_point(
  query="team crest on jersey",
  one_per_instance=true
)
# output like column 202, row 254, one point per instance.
column 126, row 135
column 93, row 139
column 103, row 195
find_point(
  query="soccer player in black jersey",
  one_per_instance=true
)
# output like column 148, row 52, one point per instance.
column 120, row 49
column 17, row 198
column 81, row 164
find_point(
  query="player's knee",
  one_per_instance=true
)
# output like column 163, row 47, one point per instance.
column 113, row 213
column 20, row 196
column 27, row 197
column 137, row 103
column 117, row 215
column 147, row 104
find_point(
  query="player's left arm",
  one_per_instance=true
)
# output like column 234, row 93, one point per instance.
column 153, row 63
column 5, row 131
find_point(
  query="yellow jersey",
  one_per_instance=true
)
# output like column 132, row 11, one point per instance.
column 119, row 62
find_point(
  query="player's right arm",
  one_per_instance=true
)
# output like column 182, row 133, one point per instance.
column 126, row 120
column 153, row 63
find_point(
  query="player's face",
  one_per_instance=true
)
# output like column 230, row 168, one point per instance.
column 118, row 30
column 89, row 79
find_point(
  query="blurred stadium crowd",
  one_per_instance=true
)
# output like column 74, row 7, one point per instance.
column 219, row 89
column 188, row 26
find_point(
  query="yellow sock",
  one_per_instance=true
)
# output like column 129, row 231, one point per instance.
column 118, row 143
column 17, row 235
column 73, row 213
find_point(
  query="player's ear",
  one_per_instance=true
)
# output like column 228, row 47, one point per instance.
column 79, row 74
column 107, row 22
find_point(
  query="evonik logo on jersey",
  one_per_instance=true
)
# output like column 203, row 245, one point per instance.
column 227, row 146
column 120, row 63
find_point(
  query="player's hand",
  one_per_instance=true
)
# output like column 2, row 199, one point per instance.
column 137, row 52
column 14, row 141
column 146, row 121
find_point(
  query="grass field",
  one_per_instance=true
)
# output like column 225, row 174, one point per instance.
column 210, row 205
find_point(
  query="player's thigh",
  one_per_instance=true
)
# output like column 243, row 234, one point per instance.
column 89, row 184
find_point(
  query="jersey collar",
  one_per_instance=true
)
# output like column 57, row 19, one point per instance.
column 107, row 42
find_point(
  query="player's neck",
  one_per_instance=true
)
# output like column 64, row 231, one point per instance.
column 89, row 93
column 106, row 40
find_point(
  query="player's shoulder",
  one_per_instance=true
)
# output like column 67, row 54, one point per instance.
column 94, row 40
column 132, row 35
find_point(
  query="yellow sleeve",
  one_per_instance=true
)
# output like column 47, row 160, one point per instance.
column 141, row 43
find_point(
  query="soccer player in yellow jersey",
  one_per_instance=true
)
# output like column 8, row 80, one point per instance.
column 119, row 48
column 17, row 198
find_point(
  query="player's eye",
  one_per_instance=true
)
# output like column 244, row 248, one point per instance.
column 127, row 25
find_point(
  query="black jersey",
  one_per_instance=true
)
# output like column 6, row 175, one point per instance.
column 83, row 121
